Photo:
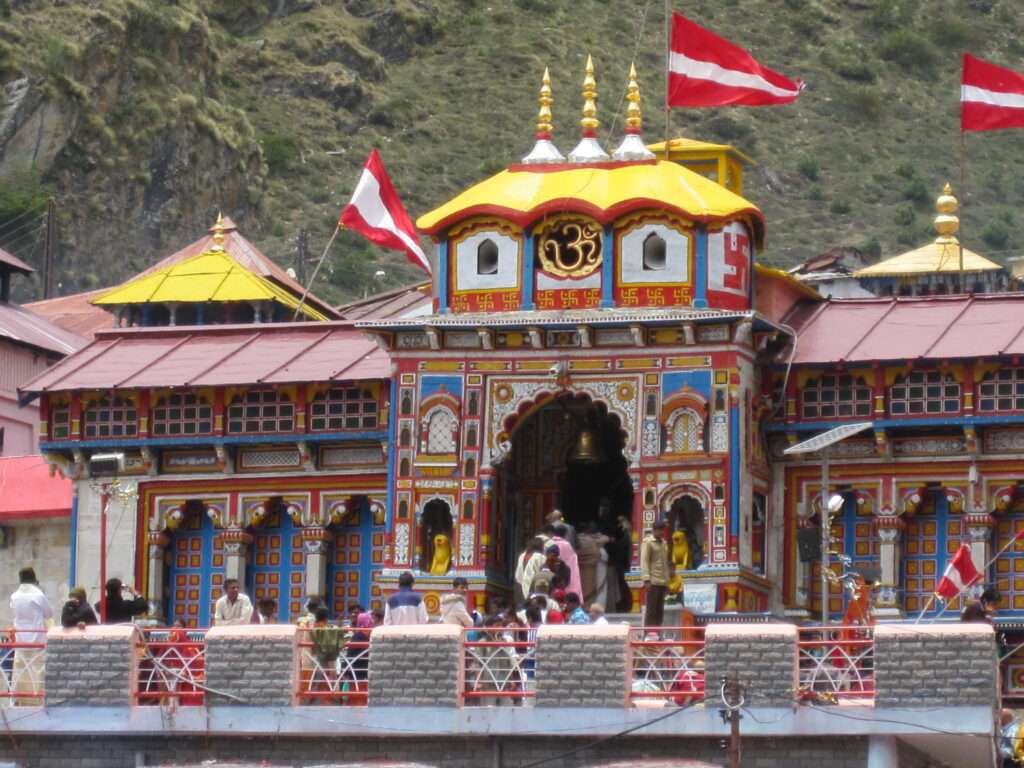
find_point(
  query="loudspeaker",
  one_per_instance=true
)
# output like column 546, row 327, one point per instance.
column 808, row 542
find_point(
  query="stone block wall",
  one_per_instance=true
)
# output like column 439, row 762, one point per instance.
column 43, row 543
column 583, row 665
column 762, row 657
column 921, row 665
column 418, row 665
column 253, row 664
column 93, row 666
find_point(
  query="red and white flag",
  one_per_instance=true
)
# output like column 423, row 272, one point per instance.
column 705, row 70
column 960, row 574
column 376, row 212
column 990, row 97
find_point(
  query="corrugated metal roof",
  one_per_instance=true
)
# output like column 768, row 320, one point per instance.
column 25, row 327
column 214, row 356
column 75, row 312
column 28, row 490
column 409, row 301
column 933, row 327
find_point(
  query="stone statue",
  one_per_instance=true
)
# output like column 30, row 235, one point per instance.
column 442, row 555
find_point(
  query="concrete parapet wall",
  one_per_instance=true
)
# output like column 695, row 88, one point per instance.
column 416, row 665
column 252, row 664
column 762, row 657
column 921, row 665
column 95, row 666
column 583, row 665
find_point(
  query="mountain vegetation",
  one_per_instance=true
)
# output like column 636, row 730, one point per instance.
column 142, row 118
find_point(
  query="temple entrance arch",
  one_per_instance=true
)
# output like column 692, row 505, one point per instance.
column 566, row 452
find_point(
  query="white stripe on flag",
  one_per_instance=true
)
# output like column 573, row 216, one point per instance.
column 367, row 200
column 681, row 64
column 973, row 93
column 954, row 576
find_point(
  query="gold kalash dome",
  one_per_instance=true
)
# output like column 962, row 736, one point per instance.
column 599, row 230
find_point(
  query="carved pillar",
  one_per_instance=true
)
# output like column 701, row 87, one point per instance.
column 158, row 542
column 236, row 551
column 639, row 515
column 316, row 544
column 890, row 537
column 979, row 531
column 486, row 503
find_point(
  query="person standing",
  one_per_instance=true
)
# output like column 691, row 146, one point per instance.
column 232, row 607
column 405, row 606
column 593, row 563
column 556, row 518
column 983, row 610
column 656, row 572
column 568, row 555
column 574, row 613
column 120, row 610
column 453, row 605
column 76, row 611
column 529, row 564
column 30, row 611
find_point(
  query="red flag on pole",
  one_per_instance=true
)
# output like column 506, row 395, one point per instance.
column 376, row 212
column 991, row 97
column 960, row 574
column 705, row 70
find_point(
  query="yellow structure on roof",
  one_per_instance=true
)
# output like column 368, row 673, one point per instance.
column 722, row 163
column 941, row 255
column 603, row 191
column 211, row 276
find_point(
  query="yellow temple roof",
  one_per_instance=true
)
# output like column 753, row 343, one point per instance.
column 681, row 146
column 209, row 276
column 941, row 255
column 604, row 191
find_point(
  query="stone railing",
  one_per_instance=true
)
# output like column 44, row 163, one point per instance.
column 911, row 666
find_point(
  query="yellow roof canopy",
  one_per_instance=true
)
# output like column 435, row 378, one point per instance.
column 943, row 255
column 604, row 191
column 211, row 276
column 682, row 147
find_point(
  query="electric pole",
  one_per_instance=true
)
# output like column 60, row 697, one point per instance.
column 301, row 241
column 732, row 700
column 49, row 247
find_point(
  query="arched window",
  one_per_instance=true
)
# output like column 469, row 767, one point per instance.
column 1002, row 390
column 182, row 414
column 406, row 409
column 343, row 408
column 836, row 396
column 487, row 258
column 470, row 467
column 405, row 437
column 261, row 411
column 111, row 417
column 403, row 467
column 471, row 436
column 685, row 432
column 924, row 392
column 654, row 259
column 442, row 426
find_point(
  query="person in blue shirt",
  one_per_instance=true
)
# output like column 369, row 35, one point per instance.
column 574, row 613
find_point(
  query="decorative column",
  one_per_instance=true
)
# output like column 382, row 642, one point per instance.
column 486, row 502
column 890, row 537
column 236, row 550
column 316, row 544
column 979, row 531
column 158, row 542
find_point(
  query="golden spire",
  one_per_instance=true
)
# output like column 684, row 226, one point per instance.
column 634, row 119
column 590, row 123
column 544, row 126
column 947, row 223
column 218, row 234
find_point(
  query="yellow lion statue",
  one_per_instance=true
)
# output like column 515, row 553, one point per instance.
column 682, row 560
column 442, row 555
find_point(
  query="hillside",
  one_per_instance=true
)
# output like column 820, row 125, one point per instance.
column 142, row 118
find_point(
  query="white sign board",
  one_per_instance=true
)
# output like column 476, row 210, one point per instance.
column 700, row 598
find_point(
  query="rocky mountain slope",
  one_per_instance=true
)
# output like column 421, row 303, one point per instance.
column 142, row 118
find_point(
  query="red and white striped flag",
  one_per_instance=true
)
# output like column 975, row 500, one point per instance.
column 376, row 212
column 960, row 574
column 705, row 70
column 990, row 97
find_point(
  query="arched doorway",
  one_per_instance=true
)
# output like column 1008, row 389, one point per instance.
column 687, row 516
column 566, row 454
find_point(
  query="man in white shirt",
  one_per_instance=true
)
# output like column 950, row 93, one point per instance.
column 232, row 607
column 405, row 606
column 31, row 613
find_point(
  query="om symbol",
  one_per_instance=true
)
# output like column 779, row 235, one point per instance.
column 572, row 248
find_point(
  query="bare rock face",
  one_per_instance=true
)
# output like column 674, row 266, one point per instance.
column 33, row 129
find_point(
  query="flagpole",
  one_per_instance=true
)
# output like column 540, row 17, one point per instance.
column 305, row 290
column 963, row 202
column 668, row 59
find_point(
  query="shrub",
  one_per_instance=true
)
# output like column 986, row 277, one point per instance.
column 839, row 207
column 905, row 215
column 861, row 103
column 996, row 234
column 915, row 190
column 808, row 167
column 279, row 152
column 912, row 52
column 871, row 248
column 893, row 14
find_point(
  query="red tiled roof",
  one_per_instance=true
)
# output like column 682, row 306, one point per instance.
column 214, row 356
column 934, row 327
column 409, row 301
column 23, row 326
column 28, row 490
column 75, row 312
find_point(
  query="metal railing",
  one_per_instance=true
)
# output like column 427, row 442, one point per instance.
column 837, row 663
column 499, row 666
column 335, row 666
column 172, row 666
column 22, row 668
column 668, row 665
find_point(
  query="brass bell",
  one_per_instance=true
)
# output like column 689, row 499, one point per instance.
column 586, row 450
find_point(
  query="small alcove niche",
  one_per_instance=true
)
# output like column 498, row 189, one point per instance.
column 654, row 259
column 487, row 258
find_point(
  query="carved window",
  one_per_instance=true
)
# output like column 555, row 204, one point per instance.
column 685, row 432
column 111, row 417
column 260, row 411
column 654, row 259
column 182, row 414
column 474, row 404
column 924, row 392
column 343, row 408
column 487, row 258
column 442, row 426
column 836, row 396
column 60, row 422
column 406, row 409
column 1002, row 390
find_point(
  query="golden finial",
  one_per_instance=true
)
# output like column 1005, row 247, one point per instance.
column 544, row 126
column 634, row 119
column 947, row 223
column 590, row 123
column 218, row 233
